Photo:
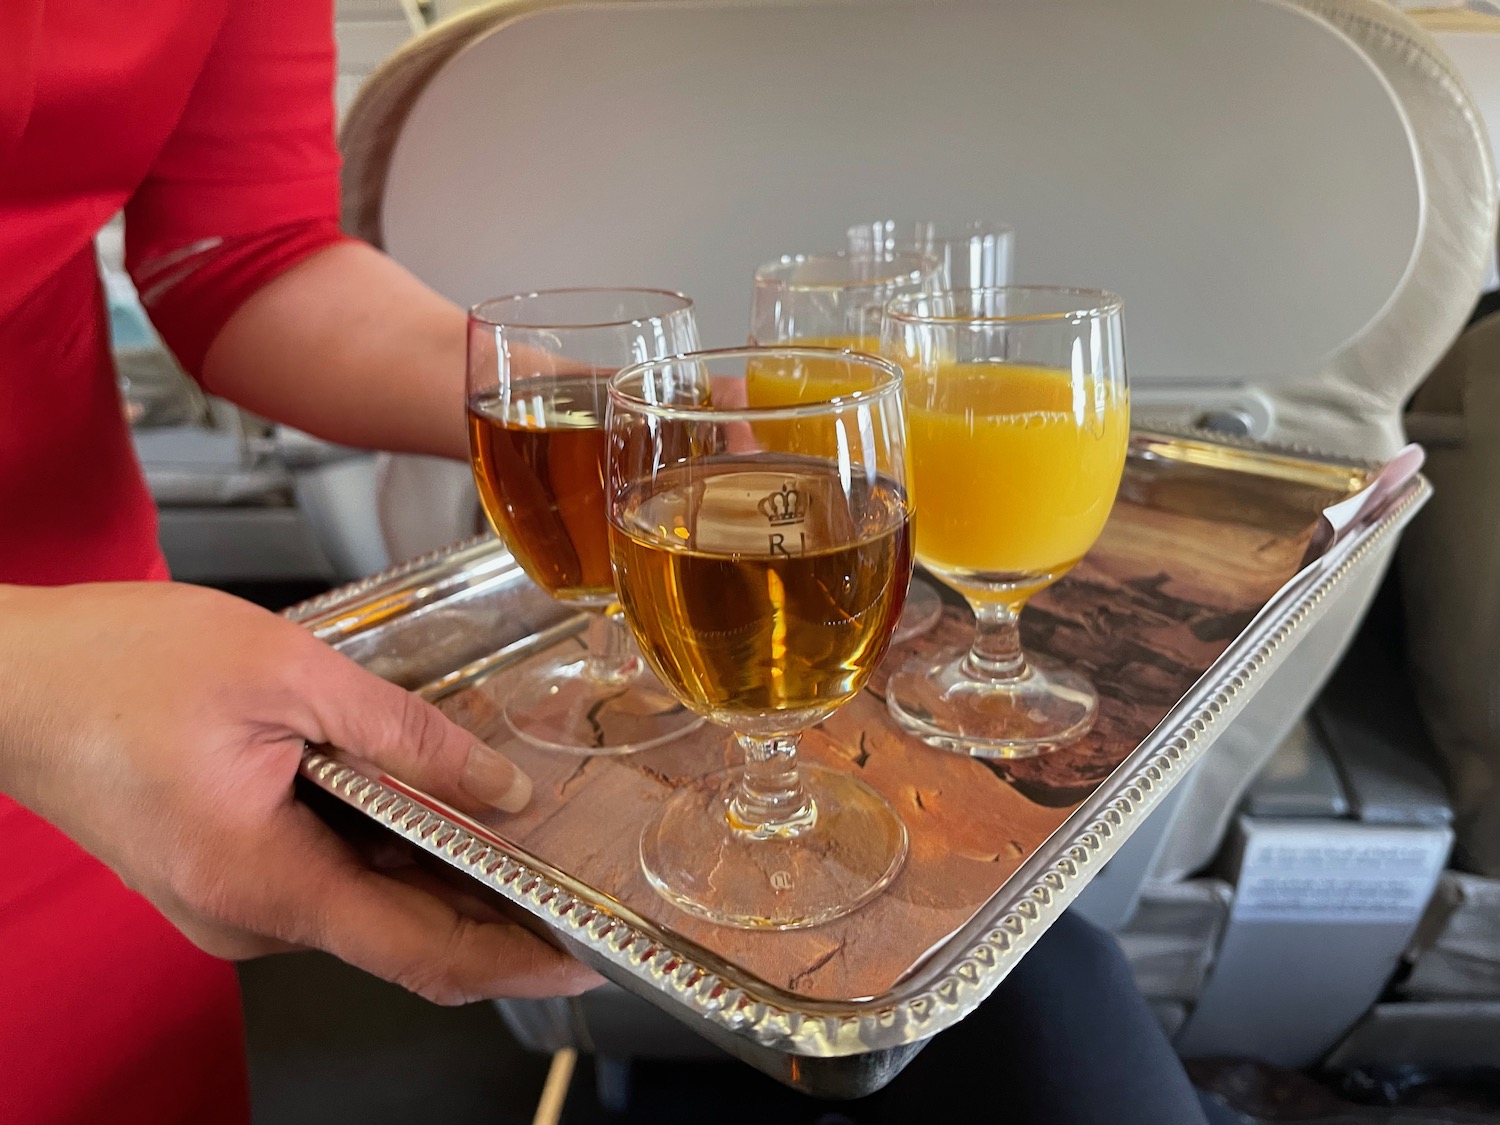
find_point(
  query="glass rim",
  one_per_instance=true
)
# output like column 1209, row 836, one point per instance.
column 963, row 231
column 681, row 303
column 1090, row 305
column 773, row 274
column 889, row 386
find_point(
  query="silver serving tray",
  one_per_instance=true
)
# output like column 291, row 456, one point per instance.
column 446, row 622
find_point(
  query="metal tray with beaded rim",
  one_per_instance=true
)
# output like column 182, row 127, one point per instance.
column 1218, row 558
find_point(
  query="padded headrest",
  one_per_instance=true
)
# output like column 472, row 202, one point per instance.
column 1241, row 172
column 1355, row 405
column 1471, row 40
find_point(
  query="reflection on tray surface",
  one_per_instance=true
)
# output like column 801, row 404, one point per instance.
column 1188, row 558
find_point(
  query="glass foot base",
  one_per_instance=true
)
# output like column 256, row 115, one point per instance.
column 558, row 706
column 1048, row 708
column 848, row 853
column 924, row 608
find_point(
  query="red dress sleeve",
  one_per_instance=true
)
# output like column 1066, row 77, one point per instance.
column 247, row 185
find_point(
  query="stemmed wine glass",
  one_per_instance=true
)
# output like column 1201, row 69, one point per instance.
column 974, row 255
column 539, row 366
column 762, row 556
column 1019, row 418
column 836, row 300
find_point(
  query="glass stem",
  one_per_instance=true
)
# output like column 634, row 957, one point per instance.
column 771, row 801
column 996, row 655
column 611, row 658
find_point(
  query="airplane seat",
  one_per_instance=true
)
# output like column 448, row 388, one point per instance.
column 1449, row 566
column 1354, row 403
column 1450, row 572
column 1296, row 201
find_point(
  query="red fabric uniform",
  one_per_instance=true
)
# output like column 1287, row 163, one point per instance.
column 211, row 124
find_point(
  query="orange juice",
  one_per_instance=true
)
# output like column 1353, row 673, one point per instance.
column 1013, row 468
column 789, row 382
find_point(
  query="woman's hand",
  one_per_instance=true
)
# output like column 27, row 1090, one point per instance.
column 161, row 725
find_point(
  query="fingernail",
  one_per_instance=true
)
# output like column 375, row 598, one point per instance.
column 491, row 777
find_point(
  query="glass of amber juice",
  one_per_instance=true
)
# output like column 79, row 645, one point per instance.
column 539, row 366
column 1019, row 417
column 763, row 556
column 836, row 300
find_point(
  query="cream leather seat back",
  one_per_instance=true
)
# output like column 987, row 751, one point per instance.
column 1295, row 201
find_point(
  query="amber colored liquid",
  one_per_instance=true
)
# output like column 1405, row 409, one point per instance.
column 761, row 622
column 538, row 460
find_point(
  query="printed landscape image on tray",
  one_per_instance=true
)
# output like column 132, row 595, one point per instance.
column 1192, row 553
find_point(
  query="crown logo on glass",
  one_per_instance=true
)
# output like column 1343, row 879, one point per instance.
column 785, row 507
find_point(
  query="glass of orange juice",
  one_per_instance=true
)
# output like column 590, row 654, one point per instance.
column 1018, row 417
column 835, row 300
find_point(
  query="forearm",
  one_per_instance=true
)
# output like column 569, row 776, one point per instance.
column 30, row 735
column 352, row 348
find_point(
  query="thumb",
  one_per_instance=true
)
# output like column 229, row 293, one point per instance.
column 409, row 738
